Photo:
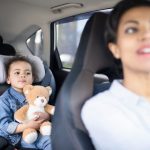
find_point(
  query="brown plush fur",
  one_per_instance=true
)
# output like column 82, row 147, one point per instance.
column 37, row 97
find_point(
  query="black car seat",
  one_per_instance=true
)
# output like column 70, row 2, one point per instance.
column 45, row 78
column 68, row 131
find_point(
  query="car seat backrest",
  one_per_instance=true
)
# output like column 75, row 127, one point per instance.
column 49, row 80
column 68, row 131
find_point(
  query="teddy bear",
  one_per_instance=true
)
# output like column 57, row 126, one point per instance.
column 37, row 101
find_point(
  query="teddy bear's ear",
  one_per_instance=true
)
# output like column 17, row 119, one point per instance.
column 49, row 89
column 27, row 88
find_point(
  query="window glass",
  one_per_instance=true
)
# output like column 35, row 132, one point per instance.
column 35, row 43
column 67, row 35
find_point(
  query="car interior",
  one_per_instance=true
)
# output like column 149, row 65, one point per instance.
column 42, row 30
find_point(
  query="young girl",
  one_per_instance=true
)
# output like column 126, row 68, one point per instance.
column 119, row 118
column 19, row 73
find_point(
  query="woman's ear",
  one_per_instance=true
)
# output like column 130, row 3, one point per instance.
column 114, row 49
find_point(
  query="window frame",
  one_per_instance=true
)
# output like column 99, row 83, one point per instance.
column 77, row 17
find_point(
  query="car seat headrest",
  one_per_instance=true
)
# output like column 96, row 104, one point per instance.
column 6, row 49
column 1, row 40
column 36, row 61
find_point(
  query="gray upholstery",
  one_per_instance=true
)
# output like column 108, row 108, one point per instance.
column 68, row 131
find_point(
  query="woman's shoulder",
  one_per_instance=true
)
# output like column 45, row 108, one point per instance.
column 99, row 99
column 104, row 101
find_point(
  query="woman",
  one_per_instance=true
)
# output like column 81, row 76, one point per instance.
column 119, row 118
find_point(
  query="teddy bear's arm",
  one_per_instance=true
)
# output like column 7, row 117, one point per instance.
column 20, row 114
column 50, row 109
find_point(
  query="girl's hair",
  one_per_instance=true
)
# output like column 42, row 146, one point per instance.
column 22, row 59
column 115, row 17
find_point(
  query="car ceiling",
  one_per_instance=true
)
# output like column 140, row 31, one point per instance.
column 16, row 16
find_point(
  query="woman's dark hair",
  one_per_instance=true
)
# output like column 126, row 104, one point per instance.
column 23, row 59
column 115, row 16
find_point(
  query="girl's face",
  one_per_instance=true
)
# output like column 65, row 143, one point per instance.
column 133, row 40
column 20, row 74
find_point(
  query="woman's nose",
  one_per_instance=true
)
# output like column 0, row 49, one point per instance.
column 146, row 34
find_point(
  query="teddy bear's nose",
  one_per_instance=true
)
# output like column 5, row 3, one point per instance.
column 42, row 100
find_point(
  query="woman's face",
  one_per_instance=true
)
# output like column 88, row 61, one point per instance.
column 133, row 40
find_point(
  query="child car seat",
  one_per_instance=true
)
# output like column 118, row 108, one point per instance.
column 45, row 78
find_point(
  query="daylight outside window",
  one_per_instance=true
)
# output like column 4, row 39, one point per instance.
column 68, row 37
column 68, row 33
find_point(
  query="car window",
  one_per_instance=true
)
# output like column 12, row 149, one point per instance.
column 35, row 43
column 67, row 36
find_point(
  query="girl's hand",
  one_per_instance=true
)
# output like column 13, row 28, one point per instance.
column 35, row 124
column 44, row 116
